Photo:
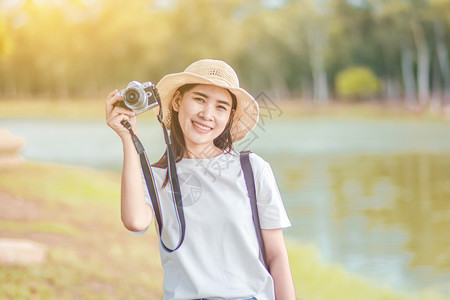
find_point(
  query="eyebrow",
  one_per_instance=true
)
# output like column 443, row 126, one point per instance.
column 207, row 97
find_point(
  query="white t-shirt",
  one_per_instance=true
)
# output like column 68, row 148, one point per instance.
column 219, row 258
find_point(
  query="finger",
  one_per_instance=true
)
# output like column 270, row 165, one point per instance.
column 112, row 93
column 118, row 110
column 112, row 98
column 120, row 128
column 120, row 114
column 115, row 122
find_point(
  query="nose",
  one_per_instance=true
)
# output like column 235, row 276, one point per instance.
column 207, row 112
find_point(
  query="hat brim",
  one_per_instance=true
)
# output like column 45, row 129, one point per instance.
column 247, row 110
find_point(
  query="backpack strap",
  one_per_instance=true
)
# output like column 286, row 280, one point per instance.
column 250, row 183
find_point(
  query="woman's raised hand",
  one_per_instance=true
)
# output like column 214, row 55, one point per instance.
column 117, row 114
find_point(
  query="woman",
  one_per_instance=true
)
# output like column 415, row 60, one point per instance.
column 206, row 111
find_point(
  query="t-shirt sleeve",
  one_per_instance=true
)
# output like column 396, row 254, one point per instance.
column 272, row 213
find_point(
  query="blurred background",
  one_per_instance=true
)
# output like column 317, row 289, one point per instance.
column 386, row 51
column 355, row 116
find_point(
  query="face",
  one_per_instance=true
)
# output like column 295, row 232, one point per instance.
column 203, row 113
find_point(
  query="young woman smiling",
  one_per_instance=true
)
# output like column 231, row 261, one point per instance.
column 206, row 112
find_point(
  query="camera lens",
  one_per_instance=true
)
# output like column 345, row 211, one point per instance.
column 131, row 96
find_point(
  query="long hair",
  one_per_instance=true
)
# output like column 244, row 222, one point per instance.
column 224, row 141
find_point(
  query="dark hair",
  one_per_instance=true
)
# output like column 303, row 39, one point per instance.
column 224, row 141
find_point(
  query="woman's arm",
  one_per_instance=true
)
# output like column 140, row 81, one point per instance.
column 136, row 214
column 278, row 261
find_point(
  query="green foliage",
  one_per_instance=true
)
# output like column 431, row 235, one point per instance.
column 5, row 40
column 356, row 83
column 79, row 49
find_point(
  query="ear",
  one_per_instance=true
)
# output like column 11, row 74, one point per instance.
column 176, row 101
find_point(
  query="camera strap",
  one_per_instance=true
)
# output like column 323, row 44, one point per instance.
column 150, row 181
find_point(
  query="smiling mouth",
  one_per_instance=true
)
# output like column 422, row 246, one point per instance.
column 201, row 126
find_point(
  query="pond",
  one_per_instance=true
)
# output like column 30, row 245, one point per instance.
column 372, row 195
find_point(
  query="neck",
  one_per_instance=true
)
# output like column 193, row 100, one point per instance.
column 202, row 152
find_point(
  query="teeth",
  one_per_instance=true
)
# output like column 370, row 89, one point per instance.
column 202, row 126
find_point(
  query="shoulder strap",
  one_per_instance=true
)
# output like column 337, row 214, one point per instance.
column 250, row 183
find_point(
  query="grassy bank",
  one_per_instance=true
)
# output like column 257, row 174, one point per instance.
column 82, row 108
column 94, row 108
column 75, row 212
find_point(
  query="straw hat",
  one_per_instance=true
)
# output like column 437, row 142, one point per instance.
column 218, row 73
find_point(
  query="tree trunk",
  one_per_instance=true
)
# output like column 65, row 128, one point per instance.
column 316, row 41
column 279, row 86
column 436, row 89
column 305, row 83
column 423, row 64
column 409, row 82
column 391, row 90
column 442, row 55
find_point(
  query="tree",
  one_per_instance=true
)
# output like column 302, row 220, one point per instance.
column 5, row 40
column 356, row 83
column 77, row 48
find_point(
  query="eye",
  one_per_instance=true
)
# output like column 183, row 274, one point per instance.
column 199, row 99
column 222, row 108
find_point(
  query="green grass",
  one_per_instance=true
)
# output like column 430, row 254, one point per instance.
column 81, row 108
column 91, row 255
column 361, row 110
column 95, row 109
column 58, row 109
column 57, row 184
column 40, row 227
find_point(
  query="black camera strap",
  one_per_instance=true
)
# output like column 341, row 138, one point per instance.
column 173, row 180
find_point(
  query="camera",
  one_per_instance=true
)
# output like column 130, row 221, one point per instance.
column 139, row 97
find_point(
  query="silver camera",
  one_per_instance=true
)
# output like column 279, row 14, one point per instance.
column 139, row 97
